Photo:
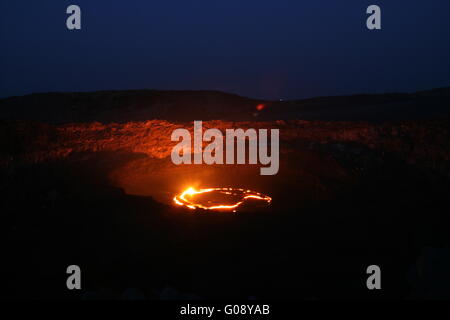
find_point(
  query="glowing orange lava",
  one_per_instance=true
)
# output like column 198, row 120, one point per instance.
column 187, row 198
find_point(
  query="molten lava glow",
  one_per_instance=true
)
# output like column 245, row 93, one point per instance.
column 187, row 198
column 260, row 107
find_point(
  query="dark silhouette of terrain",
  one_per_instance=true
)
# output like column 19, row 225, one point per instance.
column 140, row 105
column 59, row 213
column 348, row 195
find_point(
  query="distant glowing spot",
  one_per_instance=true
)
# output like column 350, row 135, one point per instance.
column 260, row 107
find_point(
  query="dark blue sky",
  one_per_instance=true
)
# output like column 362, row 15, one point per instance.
column 266, row 49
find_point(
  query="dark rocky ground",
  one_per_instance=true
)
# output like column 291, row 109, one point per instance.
column 55, row 215
column 348, row 195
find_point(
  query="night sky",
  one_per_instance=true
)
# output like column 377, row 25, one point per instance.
column 262, row 49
